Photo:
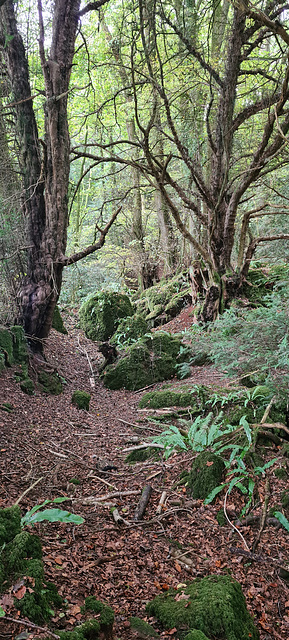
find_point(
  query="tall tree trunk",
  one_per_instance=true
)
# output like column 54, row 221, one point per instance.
column 44, row 165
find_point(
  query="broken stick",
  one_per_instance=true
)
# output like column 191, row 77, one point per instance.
column 143, row 502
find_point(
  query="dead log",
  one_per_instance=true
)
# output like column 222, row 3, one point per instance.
column 143, row 502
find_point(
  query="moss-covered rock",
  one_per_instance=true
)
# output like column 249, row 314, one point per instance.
column 196, row 635
column 151, row 359
column 13, row 346
column 21, row 558
column 81, row 399
column 214, row 605
column 57, row 322
column 143, row 628
column 6, row 345
column 167, row 398
column 205, row 474
column 165, row 300
column 89, row 630
column 140, row 455
column 129, row 330
column 50, row 383
column 27, row 386
column 101, row 313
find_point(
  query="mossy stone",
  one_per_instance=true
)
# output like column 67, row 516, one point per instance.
column 140, row 455
column 50, row 383
column 89, row 630
column 101, row 313
column 129, row 330
column 221, row 518
column 143, row 628
column 215, row 605
column 165, row 300
column 167, row 398
column 133, row 371
column 20, row 351
column 81, row 400
column 285, row 500
column 6, row 345
column 23, row 546
column 27, row 386
column 2, row 362
column 57, row 322
column 151, row 359
column 10, row 523
column 206, row 474
column 106, row 612
column 195, row 634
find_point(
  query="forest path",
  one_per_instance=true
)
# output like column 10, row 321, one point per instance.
column 47, row 437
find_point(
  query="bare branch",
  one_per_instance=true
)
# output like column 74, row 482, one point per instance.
column 92, row 6
column 93, row 247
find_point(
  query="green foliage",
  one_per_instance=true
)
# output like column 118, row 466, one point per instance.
column 214, row 605
column 253, row 342
column 282, row 519
column 101, row 313
column 81, row 399
column 51, row 515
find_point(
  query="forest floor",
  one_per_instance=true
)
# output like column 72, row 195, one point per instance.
column 46, row 438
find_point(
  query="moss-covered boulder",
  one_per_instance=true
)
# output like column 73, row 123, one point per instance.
column 165, row 300
column 101, row 313
column 129, row 330
column 142, row 628
column 21, row 558
column 205, row 474
column 27, row 386
column 57, row 322
column 10, row 523
column 81, row 400
column 50, row 382
column 168, row 398
column 151, row 359
column 13, row 346
column 214, row 605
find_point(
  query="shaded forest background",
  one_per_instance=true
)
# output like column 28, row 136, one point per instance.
column 163, row 126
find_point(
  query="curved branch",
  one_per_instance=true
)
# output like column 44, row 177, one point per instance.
column 91, row 6
column 66, row 261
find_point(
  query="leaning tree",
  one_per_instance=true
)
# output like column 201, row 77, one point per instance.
column 44, row 162
column 225, row 71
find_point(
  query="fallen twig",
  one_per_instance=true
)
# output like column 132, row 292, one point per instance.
column 91, row 377
column 29, row 489
column 108, row 496
column 118, row 518
column 26, row 623
column 161, row 502
column 264, row 514
column 144, row 446
column 143, row 502
column 230, row 522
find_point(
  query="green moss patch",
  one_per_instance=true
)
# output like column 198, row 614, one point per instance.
column 50, row 383
column 167, row 398
column 27, row 386
column 151, row 359
column 143, row 628
column 140, row 455
column 81, row 399
column 101, row 313
column 214, row 605
column 57, row 322
column 21, row 558
column 205, row 474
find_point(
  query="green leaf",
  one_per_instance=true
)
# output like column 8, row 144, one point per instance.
column 213, row 493
column 52, row 515
column 282, row 519
column 2, row 612
column 245, row 424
